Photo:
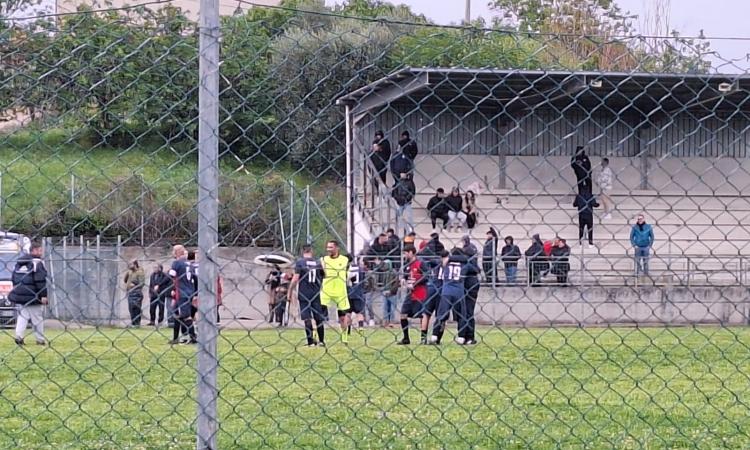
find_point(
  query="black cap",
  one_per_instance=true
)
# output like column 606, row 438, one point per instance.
column 434, row 236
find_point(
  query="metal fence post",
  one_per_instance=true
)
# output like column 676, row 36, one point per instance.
column 208, row 222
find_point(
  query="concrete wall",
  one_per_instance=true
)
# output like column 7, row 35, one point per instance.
column 544, row 306
column 553, row 175
column 243, row 281
column 614, row 305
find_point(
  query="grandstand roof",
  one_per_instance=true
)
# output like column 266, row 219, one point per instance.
column 642, row 94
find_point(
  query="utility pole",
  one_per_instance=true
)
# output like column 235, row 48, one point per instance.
column 467, row 18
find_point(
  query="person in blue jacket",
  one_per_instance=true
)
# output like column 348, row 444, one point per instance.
column 642, row 239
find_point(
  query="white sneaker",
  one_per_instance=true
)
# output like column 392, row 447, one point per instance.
column 592, row 246
column 608, row 216
column 460, row 340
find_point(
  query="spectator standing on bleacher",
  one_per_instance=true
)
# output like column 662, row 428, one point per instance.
column 456, row 215
column 408, row 146
column 489, row 256
column 387, row 285
column 510, row 255
column 585, row 202
column 386, row 248
column 537, row 260
column 435, row 245
column 604, row 180
column 438, row 208
column 642, row 239
column 561, row 261
column 381, row 155
column 581, row 165
column 393, row 238
column 403, row 193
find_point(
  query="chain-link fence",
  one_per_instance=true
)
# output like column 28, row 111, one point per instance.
column 529, row 234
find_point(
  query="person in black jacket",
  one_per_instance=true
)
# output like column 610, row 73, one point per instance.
column 582, row 168
column 159, row 287
column 403, row 193
column 438, row 208
column 536, row 260
column 471, row 287
column 489, row 256
column 585, row 202
column 381, row 155
column 408, row 146
column 29, row 294
column 561, row 261
column 402, row 167
column 457, row 217
column 435, row 245
column 510, row 254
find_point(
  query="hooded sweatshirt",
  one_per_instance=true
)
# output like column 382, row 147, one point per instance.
column 510, row 253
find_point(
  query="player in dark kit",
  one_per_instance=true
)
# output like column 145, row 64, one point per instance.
column 182, row 295
column 308, row 274
column 415, row 305
column 455, row 269
column 358, row 279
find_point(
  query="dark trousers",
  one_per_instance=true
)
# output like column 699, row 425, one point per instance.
column 449, row 303
column 586, row 221
column 134, row 306
column 434, row 217
column 470, row 302
column 490, row 272
column 157, row 306
column 584, row 184
column 279, row 309
column 562, row 278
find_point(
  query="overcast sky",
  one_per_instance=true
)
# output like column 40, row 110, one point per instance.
column 717, row 18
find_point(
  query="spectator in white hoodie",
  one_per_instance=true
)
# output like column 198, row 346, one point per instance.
column 604, row 181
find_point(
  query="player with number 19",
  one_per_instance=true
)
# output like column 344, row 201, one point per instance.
column 453, row 291
column 308, row 274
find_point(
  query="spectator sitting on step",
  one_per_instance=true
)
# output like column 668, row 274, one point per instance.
column 438, row 208
column 470, row 209
column 456, row 215
column 537, row 261
column 561, row 261
column 410, row 239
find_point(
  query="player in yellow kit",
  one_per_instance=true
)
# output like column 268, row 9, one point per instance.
column 336, row 270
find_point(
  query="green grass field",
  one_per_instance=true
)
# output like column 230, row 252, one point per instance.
column 519, row 388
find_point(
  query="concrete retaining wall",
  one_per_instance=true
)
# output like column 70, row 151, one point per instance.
column 614, row 305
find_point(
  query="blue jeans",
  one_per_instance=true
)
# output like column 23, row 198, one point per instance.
column 389, row 307
column 641, row 260
column 510, row 274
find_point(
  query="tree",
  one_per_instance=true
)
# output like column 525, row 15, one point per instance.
column 311, row 69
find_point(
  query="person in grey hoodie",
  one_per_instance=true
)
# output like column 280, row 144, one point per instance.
column 642, row 239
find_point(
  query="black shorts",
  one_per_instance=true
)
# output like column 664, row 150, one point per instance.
column 357, row 305
column 310, row 309
column 413, row 308
column 184, row 309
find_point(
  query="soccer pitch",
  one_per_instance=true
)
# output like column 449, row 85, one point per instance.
column 519, row 388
